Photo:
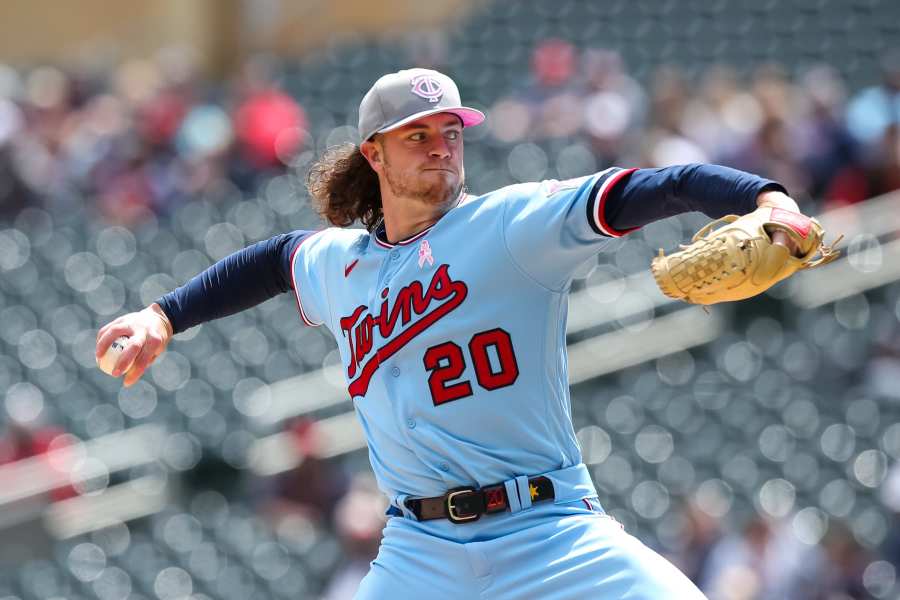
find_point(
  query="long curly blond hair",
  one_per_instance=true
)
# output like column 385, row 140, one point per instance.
column 344, row 188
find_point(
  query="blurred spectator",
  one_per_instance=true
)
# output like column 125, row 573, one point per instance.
column 40, row 145
column 872, row 110
column 269, row 124
column 759, row 563
column 827, row 150
column 737, row 565
column 14, row 194
column 615, row 105
column 314, row 486
column 666, row 142
column 549, row 105
column 772, row 151
column 767, row 562
column 844, row 564
column 885, row 168
column 359, row 519
column 553, row 65
column 555, row 102
column 700, row 534
column 723, row 115
column 889, row 494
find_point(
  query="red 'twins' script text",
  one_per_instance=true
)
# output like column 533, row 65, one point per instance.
column 412, row 302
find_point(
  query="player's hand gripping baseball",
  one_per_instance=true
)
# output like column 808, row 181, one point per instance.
column 148, row 332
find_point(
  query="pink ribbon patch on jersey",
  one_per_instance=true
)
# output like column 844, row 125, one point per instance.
column 425, row 254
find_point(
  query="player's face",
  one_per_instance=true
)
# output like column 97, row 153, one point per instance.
column 424, row 160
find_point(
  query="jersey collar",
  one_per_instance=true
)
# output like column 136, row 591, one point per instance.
column 381, row 236
column 380, row 233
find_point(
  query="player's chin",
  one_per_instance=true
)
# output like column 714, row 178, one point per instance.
column 439, row 192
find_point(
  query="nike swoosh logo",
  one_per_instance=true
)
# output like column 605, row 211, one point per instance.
column 349, row 267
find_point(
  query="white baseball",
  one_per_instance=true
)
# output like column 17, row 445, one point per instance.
column 108, row 361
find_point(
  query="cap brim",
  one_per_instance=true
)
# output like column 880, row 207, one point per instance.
column 469, row 117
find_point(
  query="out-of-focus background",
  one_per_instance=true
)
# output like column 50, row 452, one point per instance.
column 756, row 447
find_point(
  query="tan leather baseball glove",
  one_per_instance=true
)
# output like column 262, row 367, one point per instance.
column 739, row 260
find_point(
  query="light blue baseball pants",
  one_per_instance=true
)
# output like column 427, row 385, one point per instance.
column 569, row 551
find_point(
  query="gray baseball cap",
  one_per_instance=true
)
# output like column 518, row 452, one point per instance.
column 405, row 96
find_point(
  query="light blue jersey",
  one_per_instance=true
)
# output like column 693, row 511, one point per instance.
column 453, row 341
column 453, row 344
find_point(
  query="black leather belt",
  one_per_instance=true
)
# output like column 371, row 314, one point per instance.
column 466, row 504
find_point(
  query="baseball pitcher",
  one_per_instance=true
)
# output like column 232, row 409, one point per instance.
column 449, row 310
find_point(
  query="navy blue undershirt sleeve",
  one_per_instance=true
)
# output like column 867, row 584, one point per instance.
column 648, row 195
column 237, row 282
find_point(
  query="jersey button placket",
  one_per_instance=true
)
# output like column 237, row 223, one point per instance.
column 395, row 371
column 411, row 423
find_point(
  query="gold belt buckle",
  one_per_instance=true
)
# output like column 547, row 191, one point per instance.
column 451, row 509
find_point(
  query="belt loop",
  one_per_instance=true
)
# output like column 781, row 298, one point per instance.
column 400, row 503
column 524, row 491
column 512, row 496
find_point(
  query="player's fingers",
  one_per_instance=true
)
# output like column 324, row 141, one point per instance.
column 117, row 322
column 101, row 332
column 143, row 360
column 153, row 346
column 109, row 334
column 133, row 347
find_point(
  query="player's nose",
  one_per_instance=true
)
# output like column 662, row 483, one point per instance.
column 439, row 148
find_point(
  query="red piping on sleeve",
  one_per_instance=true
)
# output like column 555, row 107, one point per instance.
column 297, row 287
column 600, row 204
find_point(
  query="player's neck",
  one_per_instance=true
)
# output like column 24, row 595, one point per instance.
column 404, row 218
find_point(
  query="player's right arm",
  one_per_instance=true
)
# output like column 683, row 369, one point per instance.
column 235, row 283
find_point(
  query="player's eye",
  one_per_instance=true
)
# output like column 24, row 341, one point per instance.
column 417, row 137
column 453, row 135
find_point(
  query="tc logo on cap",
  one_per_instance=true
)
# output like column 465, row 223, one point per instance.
column 427, row 87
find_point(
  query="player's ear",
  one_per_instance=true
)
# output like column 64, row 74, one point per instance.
column 373, row 152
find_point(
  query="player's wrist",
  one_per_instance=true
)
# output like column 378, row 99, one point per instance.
column 156, row 310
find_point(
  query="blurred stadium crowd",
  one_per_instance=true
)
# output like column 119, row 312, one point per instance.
column 763, row 475
column 152, row 135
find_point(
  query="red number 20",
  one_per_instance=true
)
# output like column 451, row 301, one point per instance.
column 446, row 363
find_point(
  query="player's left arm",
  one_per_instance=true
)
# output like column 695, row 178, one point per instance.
column 647, row 195
column 552, row 228
column 642, row 196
